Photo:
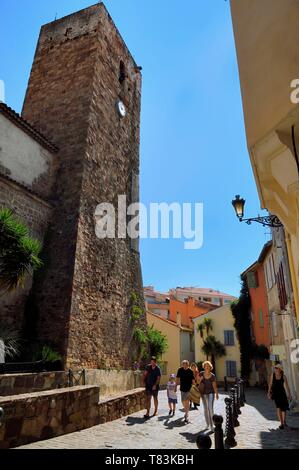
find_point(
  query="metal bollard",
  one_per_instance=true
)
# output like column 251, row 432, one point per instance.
column 229, row 428
column 1, row 416
column 237, row 392
column 241, row 382
column 203, row 441
column 218, row 421
column 225, row 384
column 234, row 407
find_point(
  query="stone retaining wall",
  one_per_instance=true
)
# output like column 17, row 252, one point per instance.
column 112, row 382
column 122, row 405
column 43, row 415
column 16, row 384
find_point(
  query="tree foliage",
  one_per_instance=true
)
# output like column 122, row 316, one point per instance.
column 158, row 343
column 241, row 312
column 260, row 351
column 213, row 348
column 151, row 342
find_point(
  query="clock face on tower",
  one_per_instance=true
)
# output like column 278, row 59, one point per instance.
column 121, row 109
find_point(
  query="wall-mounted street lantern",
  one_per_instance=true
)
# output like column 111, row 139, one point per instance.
column 268, row 220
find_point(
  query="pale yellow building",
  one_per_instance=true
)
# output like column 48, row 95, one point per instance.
column 266, row 36
column 180, row 340
column 224, row 331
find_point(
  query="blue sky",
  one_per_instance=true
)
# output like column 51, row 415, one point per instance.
column 193, row 144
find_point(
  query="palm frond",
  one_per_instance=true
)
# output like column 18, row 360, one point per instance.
column 19, row 254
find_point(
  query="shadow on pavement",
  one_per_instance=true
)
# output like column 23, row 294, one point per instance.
column 190, row 437
column 177, row 423
column 258, row 399
column 131, row 420
column 280, row 439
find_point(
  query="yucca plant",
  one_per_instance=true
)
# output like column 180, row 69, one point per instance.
column 19, row 254
column 10, row 342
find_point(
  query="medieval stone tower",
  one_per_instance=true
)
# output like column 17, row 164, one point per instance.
column 84, row 94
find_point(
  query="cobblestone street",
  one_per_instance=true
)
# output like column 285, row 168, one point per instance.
column 258, row 429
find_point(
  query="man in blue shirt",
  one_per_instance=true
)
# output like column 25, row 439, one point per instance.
column 151, row 379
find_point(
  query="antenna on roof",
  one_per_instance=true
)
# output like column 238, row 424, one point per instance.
column 55, row 17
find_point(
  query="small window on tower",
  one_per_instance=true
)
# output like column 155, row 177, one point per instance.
column 122, row 72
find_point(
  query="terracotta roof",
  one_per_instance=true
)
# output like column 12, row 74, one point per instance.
column 27, row 127
column 202, row 291
column 185, row 328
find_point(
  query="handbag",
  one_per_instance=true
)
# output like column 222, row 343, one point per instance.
column 194, row 394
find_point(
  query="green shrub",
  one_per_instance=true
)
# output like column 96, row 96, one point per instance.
column 45, row 353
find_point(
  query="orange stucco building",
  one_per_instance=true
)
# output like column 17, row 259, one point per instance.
column 180, row 312
column 255, row 276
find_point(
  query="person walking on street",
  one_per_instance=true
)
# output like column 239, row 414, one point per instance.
column 195, row 371
column 279, row 391
column 209, row 391
column 185, row 379
column 172, row 394
column 152, row 377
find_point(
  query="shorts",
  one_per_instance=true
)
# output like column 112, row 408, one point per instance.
column 172, row 400
column 185, row 396
column 152, row 393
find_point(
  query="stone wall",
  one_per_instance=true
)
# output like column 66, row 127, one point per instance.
column 17, row 384
column 83, row 295
column 44, row 415
column 122, row 405
column 113, row 382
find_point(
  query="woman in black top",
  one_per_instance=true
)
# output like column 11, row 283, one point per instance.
column 279, row 392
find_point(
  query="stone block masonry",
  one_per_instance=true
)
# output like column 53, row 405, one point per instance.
column 44, row 415
column 18, row 384
column 81, row 69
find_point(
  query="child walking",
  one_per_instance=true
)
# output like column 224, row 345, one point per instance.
column 172, row 394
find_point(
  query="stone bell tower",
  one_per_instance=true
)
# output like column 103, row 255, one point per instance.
column 84, row 94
